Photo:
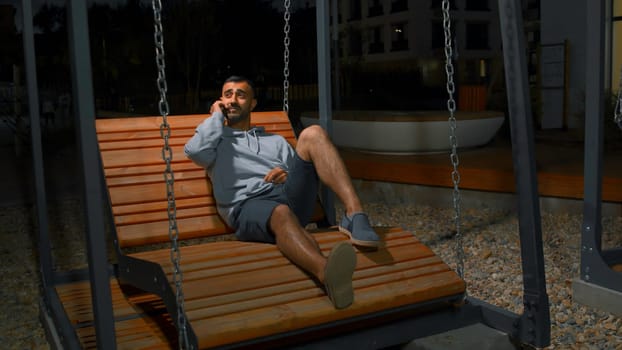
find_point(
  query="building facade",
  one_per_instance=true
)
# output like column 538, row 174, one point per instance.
column 410, row 33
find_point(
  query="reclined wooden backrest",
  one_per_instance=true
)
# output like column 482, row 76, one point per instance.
column 131, row 151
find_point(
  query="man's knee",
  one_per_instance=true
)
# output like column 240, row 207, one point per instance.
column 312, row 133
column 282, row 217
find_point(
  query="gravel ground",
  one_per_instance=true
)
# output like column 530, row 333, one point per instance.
column 492, row 266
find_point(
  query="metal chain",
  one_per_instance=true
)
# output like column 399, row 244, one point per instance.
column 617, row 118
column 286, row 28
column 169, row 176
column 453, row 141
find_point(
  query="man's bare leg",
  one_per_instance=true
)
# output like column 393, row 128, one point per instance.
column 315, row 146
column 296, row 244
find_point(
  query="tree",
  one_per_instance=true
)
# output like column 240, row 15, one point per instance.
column 193, row 41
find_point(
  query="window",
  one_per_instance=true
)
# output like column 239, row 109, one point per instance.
column 355, row 43
column 477, row 36
column 376, row 45
column 355, row 10
column 477, row 5
column 375, row 8
column 399, row 5
column 399, row 37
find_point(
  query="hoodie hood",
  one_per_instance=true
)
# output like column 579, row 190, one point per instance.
column 251, row 136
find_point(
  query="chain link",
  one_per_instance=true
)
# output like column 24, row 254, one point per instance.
column 453, row 141
column 286, row 28
column 617, row 118
column 169, row 176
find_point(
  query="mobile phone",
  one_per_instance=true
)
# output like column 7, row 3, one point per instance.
column 224, row 111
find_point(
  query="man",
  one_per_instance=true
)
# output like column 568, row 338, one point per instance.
column 267, row 191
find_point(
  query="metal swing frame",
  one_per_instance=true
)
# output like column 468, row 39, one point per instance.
column 598, row 284
column 532, row 326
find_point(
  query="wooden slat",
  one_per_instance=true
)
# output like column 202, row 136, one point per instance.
column 140, row 157
column 142, row 218
column 157, row 232
column 183, row 203
column 196, row 173
column 125, row 139
column 148, row 169
column 151, row 192
column 112, row 125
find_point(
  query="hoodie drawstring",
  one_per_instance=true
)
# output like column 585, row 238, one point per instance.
column 254, row 131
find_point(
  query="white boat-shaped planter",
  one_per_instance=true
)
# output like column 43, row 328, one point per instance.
column 408, row 132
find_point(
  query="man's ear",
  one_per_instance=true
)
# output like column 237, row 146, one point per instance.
column 253, row 104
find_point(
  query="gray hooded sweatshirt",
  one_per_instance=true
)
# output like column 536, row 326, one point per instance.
column 236, row 160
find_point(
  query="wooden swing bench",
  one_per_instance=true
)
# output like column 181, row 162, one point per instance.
column 236, row 293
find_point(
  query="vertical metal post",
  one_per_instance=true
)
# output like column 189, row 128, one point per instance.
column 534, row 327
column 324, row 93
column 45, row 257
column 335, row 42
column 84, row 110
column 594, row 102
column 594, row 268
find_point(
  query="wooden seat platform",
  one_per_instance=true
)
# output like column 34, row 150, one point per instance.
column 235, row 292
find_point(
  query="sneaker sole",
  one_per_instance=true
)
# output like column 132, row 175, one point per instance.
column 369, row 244
column 338, row 277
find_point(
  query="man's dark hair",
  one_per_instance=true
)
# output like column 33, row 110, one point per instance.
column 240, row 79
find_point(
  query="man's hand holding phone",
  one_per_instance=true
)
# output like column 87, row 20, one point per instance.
column 218, row 106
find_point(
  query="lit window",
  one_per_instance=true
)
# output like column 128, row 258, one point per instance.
column 399, row 37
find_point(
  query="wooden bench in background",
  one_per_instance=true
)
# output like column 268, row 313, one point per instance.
column 235, row 292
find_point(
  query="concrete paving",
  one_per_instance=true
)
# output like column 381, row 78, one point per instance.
column 473, row 337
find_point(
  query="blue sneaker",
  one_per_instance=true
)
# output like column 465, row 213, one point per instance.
column 359, row 230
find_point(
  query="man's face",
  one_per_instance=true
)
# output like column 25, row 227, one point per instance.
column 238, row 101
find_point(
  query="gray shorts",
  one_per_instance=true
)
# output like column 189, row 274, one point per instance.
column 299, row 192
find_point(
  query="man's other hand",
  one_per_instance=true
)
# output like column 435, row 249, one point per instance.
column 276, row 175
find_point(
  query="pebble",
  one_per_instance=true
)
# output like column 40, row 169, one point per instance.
column 489, row 237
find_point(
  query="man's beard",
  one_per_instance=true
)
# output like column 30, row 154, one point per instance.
column 236, row 119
